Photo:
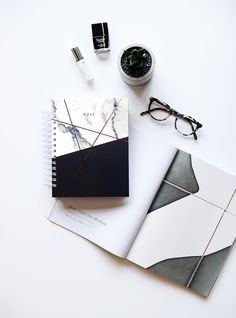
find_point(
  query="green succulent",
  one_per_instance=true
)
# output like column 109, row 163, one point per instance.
column 136, row 57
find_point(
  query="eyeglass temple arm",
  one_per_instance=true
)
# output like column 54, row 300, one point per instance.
column 194, row 132
column 144, row 113
column 149, row 111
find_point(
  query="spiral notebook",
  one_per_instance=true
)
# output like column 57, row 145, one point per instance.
column 90, row 147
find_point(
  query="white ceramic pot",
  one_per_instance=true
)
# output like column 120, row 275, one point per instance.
column 136, row 80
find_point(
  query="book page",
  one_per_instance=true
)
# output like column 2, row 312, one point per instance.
column 113, row 223
column 188, row 231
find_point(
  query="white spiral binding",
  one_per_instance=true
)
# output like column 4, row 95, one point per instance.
column 49, row 147
column 53, row 140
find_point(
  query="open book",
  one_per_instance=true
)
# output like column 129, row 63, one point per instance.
column 179, row 220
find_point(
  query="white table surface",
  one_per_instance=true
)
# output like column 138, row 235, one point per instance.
column 46, row 271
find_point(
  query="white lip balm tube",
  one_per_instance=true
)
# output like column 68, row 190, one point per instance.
column 85, row 71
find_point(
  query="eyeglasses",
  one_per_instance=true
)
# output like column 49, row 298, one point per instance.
column 160, row 111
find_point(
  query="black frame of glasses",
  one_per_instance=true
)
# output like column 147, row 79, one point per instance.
column 172, row 111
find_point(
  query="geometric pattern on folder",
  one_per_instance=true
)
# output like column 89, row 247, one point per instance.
column 190, row 225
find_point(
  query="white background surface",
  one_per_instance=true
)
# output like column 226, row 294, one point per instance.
column 46, row 271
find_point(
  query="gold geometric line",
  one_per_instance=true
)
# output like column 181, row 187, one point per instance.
column 85, row 157
column 63, row 122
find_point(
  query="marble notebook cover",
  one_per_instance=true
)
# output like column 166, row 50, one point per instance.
column 90, row 153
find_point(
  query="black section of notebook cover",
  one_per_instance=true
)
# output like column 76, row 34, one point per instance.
column 100, row 171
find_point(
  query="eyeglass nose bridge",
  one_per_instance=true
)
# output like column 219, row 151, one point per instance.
column 175, row 113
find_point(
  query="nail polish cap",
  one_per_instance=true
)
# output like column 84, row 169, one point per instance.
column 77, row 54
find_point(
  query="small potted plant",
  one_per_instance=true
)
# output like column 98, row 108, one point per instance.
column 136, row 64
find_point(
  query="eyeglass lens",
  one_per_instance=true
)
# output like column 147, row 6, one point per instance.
column 184, row 126
column 158, row 111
